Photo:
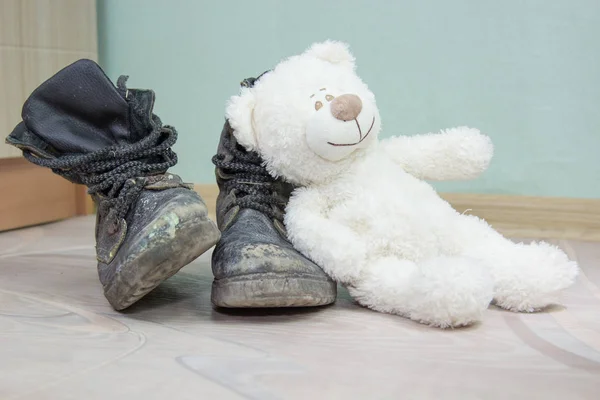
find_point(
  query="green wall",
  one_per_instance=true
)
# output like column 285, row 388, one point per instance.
column 526, row 72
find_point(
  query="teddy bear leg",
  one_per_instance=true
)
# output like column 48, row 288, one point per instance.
column 530, row 277
column 527, row 277
column 441, row 291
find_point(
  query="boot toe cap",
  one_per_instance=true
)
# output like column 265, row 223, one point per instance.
column 254, row 266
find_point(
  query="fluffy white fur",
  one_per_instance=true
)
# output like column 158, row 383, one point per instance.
column 364, row 212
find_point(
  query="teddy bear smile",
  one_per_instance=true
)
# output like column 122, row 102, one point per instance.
column 359, row 132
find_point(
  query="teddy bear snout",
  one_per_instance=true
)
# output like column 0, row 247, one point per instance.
column 346, row 107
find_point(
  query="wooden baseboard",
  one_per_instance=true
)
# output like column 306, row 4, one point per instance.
column 534, row 217
column 84, row 203
column 513, row 216
column 209, row 193
column 32, row 195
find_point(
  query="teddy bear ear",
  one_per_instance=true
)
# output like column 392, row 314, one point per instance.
column 332, row 51
column 239, row 114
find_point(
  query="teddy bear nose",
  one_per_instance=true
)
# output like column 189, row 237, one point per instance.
column 346, row 107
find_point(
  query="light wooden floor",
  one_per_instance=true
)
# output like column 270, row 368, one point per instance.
column 59, row 339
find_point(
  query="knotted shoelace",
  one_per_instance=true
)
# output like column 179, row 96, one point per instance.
column 112, row 171
column 251, row 182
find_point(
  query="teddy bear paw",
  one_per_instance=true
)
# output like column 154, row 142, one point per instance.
column 533, row 277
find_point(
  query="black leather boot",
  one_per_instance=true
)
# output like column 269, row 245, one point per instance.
column 254, row 264
column 149, row 223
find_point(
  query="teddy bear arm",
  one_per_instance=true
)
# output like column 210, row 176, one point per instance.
column 333, row 246
column 454, row 154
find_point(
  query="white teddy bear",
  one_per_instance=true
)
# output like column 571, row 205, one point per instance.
column 362, row 210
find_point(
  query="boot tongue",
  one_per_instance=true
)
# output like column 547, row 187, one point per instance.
column 78, row 110
column 141, row 118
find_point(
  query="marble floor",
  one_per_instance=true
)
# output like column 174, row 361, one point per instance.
column 59, row 339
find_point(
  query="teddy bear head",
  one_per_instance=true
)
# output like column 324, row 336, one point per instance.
column 310, row 117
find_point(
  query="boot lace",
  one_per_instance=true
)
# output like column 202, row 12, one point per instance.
column 250, row 182
column 112, row 171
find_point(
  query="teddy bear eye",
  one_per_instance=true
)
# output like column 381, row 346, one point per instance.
column 318, row 105
column 329, row 97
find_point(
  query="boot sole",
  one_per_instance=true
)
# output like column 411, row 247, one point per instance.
column 270, row 290
column 143, row 274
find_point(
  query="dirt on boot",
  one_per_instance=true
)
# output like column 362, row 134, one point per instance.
column 149, row 223
column 254, row 264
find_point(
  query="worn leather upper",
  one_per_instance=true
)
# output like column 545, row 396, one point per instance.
column 252, row 242
column 79, row 111
column 252, row 245
column 174, row 206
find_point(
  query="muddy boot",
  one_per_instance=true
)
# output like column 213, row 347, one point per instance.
column 149, row 224
column 254, row 264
